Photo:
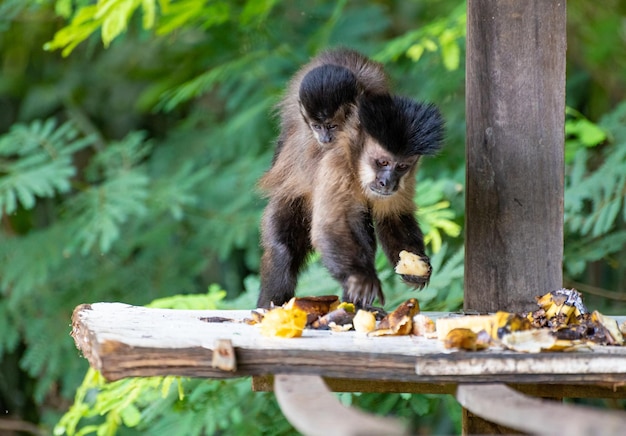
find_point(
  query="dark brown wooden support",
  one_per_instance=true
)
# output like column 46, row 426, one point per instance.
column 515, row 106
column 515, row 110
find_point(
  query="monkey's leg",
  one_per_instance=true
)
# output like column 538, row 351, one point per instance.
column 347, row 244
column 402, row 232
column 285, row 238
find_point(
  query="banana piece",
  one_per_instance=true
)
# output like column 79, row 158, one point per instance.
column 411, row 264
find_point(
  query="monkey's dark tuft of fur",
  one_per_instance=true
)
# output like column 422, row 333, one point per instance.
column 325, row 89
column 403, row 126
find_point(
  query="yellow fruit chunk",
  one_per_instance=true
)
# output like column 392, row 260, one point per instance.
column 364, row 321
column 466, row 339
column 411, row 264
column 284, row 323
column 475, row 323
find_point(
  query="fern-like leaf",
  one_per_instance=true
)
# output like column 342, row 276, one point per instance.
column 36, row 161
column 100, row 211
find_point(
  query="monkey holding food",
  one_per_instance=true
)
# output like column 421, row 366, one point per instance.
column 339, row 200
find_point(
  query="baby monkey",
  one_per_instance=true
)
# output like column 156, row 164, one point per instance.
column 319, row 106
column 342, row 200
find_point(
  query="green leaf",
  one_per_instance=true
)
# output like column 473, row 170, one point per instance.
column 39, row 163
column 83, row 25
column 100, row 211
column 451, row 55
column 131, row 416
column 115, row 15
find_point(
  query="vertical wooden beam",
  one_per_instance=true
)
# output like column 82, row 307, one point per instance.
column 515, row 104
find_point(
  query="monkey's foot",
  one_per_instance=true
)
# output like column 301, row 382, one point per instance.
column 362, row 290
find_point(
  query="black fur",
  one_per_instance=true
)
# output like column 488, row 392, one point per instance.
column 287, row 245
column 325, row 89
column 403, row 126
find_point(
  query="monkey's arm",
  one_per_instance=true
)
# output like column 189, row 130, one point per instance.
column 285, row 239
column 402, row 232
column 343, row 234
column 348, row 247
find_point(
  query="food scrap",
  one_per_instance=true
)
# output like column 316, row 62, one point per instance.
column 411, row 264
column 364, row 321
column 467, row 339
column 400, row 321
column 284, row 322
column 561, row 323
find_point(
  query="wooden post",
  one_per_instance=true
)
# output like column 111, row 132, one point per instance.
column 515, row 109
column 515, row 106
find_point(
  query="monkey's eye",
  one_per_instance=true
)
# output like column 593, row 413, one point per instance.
column 382, row 163
column 316, row 126
column 402, row 167
column 332, row 126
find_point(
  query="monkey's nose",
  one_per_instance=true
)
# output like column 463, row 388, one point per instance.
column 325, row 139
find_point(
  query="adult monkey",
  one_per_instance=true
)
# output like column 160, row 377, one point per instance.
column 340, row 200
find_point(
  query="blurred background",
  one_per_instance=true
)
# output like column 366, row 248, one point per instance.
column 132, row 134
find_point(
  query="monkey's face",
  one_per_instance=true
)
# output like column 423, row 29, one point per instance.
column 327, row 128
column 383, row 174
column 324, row 132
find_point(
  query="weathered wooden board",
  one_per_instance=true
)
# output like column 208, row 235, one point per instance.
column 504, row 406
column 122, row 340
column 313, row 410
column 515, row 108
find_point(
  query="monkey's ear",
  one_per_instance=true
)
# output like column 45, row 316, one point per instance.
column 303, row 111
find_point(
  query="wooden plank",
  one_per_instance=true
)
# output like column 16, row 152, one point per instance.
column 515, row 106
column 544, row 390
column 266, row 384
column 506, row 407
column 122, row 341
column 312, row 409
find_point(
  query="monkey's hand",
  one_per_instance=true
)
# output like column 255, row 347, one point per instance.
column 419, row 265
column 417, row 282
column 362, row 290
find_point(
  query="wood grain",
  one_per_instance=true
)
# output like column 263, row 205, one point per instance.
column 515, row 108
column 122, row 341
column 506, row 407
column 312, row 409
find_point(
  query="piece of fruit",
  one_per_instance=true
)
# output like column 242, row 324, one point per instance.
column 475, row 323
column 466, row 339
column 400, row 321
column 423, row 326
column 364, row 321
column 283, row 323
column 411, row 264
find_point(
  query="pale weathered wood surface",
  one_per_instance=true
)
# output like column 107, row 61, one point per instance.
column 122, row 340
column 313, row 410
column 504, row 406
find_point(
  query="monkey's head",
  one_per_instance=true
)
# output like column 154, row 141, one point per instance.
column 327, row 99
column 398, row 131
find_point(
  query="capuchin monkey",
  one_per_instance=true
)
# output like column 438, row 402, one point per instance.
column 342, row 200
column 319, row 106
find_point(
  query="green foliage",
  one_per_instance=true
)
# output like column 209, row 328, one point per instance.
column 579, row 133
column 595, row 192
column 36, row 161
column 435, row 216
column 445, row 34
